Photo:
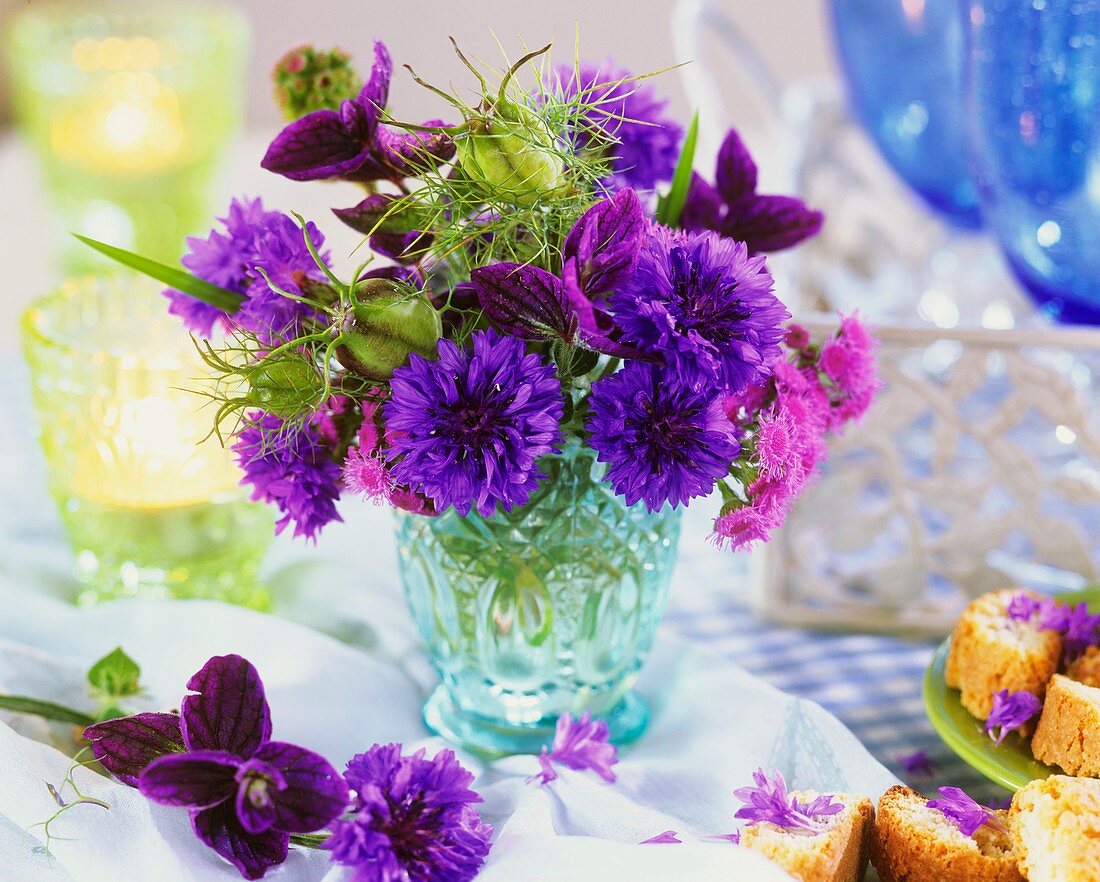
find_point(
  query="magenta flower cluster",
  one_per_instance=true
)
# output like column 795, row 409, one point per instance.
column 605, row 318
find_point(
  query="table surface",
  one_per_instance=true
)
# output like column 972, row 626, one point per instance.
column 872, row 683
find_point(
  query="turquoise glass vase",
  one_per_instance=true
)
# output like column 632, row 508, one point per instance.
column 548, row 608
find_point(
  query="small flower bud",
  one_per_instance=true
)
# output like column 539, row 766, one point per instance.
column 388, row 321
column 308, row 79
column 285, row 387
column 508, row 151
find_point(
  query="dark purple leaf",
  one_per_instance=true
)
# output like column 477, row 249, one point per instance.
column 230, row 711
column 195, row 780
column 319, row 145
column 403, row 247
column 251, row 853
column 376, row 91
column 595, row 328
column 315, row 795
column 372, row 214
column 524, row 301
column 704, row 208
column 771, row 223
column 605, row 242
column 125, row 746
column 735, row 174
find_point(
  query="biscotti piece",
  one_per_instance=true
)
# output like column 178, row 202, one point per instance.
column 1068, row 734
column 839, row 853
column 914, row 843
column 990, row 652
column 1087, row 667
column 1056, row 824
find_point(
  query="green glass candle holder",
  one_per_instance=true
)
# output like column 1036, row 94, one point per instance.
column 150, row 501
column 129, row 107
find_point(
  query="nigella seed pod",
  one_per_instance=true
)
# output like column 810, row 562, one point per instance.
column 284, row 386
column 308, row 79
column 507, row 151
column 386, row 322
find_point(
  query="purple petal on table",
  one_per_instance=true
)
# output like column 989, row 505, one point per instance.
column 735, row 173
column 319, row 145
column 771, row 223
column 125, row 746
column 251, row 853
column 230, row 711
column 315, row 794
column 605, row 242
column 194, row 780
column 583, row 743
column 669, row 837
column 703, row 207
column 524, row 301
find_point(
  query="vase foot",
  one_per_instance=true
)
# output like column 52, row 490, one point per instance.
column 492, row 739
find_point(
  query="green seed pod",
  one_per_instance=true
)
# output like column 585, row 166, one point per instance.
column 308, row 79
column 388, row 321
column 507, row 152
column 284, row 386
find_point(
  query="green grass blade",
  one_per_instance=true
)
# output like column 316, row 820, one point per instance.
column 181, row 280
column 46, row 709
column 671, row 205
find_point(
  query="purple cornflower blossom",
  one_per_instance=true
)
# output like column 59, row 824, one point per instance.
column 1010, row 711
column 289, row 466
column 352, row 143
column 769, row 802
column 917, row 763
column 668, row 837
column 413, row 819
column 1000, row 805
column 664, row 442
column 959, row 808
column 468, row 429
column 705, row 307
column 644, row 142
column 734, row 208
column 1077, row 625
column 1022, row 607
column 246, row 793
column 579, row 744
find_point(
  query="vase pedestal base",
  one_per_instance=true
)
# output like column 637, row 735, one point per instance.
column 492, row 739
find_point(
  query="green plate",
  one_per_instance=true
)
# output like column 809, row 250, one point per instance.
column 1010, row 765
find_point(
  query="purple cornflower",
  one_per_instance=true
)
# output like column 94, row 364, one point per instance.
column 579, row 744
column 704, row 306
column 962, row 810
column 289, row 466
column 736, row 210
column 352, row 143
column 1010, row 711
column 769, row 802
column 468, row 429
column 414, row 819
column 1022, row 607
column 1078, row 627
column 664, row 442
column 668, row 837
column 628, row 120
column 246, row 793
column 917, row 763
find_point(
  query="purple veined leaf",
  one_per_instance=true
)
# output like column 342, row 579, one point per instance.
column 771, row 223
column 703, row 208
column 595, row 328
column 735, row 174
column 253, row 854
column 376, row 91
column 319, row 145
column 229, row 711
column 367, row 216
column 403, row 247
column 524, row 301
column 605, row 242
column 196, row 780
column 315, row 794
column 125, row 746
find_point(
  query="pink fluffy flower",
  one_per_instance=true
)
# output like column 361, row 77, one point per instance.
column 366, row 474
column 743, row 527
column 849, row 361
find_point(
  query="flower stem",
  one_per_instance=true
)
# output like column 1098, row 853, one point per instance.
column 45, row 709
column 309, row 840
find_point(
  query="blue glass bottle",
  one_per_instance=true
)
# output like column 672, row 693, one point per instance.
column 903, row 67
column 1034, row 90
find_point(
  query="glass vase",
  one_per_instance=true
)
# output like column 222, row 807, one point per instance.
column 549, row 608
column 151, row 503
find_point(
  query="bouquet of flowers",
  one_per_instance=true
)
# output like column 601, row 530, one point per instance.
column 545, row 270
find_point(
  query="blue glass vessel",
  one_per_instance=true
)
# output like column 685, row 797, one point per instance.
column 1034, row 90
column 548, row 608
column 903, row 68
